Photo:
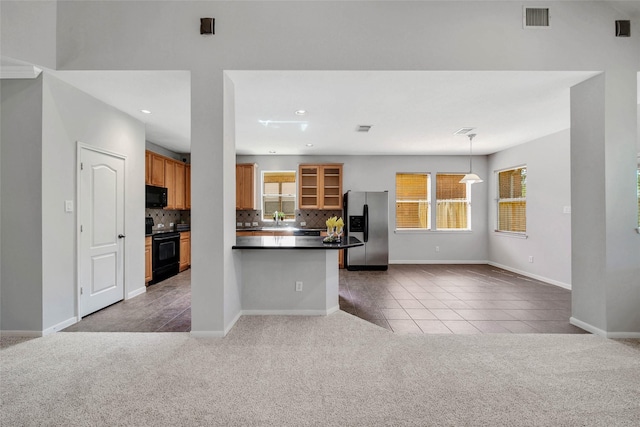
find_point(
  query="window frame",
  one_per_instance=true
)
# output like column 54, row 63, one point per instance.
column 428, row 201
column 268, row 217
column 467, row 201
column 522, row 234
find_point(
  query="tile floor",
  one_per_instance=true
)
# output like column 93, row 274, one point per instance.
column 421, row 299
column 165, row 307
column 455, row 299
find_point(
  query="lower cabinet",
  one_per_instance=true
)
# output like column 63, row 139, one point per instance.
column 185, row 250
column 148, row 275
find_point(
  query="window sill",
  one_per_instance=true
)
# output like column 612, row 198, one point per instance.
column 510, row 234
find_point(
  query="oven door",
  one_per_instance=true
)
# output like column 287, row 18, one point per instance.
column 166, row 250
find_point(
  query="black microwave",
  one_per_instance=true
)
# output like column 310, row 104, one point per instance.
column 156, row 197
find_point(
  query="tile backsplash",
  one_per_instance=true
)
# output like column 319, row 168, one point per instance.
column 313, row 218
column 166, row 217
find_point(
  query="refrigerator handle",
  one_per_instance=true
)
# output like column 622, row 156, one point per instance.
column 366, row 223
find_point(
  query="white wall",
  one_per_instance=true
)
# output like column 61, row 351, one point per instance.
column 69, row 116
column 316, row 36
column 378, row 173
column 33, row 27
column 20, row 191
column 548, row 228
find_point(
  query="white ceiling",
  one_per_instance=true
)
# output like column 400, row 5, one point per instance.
column 167, row 94
column 412, row 112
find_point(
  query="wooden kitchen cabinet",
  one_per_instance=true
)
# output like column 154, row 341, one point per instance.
column 245, row 186
column 147, row 167
column 185, row 250
column 170, row 183
column 320, row 186
column 148, row 272
column 187, row 186
column 180, row 186
column 172, row 174
column 156, row 174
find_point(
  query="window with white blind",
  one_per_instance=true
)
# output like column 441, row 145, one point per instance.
column 278, row 194
column 453, row 205
column 412, row 201
column 512, row 200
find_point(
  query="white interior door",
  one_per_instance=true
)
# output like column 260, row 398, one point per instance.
column 101, row 213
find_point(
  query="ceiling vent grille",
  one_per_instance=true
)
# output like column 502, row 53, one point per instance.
column 364, row 128
column 536, row 17
column 463, row 131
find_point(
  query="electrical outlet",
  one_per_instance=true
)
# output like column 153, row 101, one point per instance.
column 530, row 258
column 247, row 224
column 255, row 224
column 302, row 224
column 437, row 248
column 238, row 224
column 298, row 286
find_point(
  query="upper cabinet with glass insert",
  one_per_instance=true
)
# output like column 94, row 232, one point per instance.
column 320, row 186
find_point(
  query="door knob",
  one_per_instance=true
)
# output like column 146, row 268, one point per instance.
column 121, row 236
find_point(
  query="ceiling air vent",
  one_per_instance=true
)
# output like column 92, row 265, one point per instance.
column 535, row 17
column 364, row 128
column 463, row 131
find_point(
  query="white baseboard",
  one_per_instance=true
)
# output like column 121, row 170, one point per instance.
column 227, row 329
column 288, row 312
column 60, row 326
column 232, row 323
column 29, row 334
column 137, row 292
column 437, row 261
column 207, row 334
column 597, row 331
column 533, row 276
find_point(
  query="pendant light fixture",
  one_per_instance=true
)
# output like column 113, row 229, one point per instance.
column 471, row 177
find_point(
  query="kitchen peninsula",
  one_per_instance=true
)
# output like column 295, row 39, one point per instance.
column 294, row 275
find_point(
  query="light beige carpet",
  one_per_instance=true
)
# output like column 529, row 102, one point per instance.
column 322, row 371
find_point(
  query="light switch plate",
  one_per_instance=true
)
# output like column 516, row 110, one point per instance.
column 68, row 205
column 255, row 224
column 247, row 224
column 238, row 224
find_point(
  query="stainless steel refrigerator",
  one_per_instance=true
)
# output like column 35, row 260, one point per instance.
column 367, row 218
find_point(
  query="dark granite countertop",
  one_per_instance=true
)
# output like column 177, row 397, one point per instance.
column 279, row 229
column 292, row 242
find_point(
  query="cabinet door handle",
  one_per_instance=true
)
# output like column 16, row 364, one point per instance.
column 121, row 236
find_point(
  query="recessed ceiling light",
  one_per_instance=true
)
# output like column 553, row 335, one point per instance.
column 301, row 112
column 309, row 145
column 145, row 111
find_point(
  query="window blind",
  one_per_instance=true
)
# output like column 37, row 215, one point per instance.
column 452, row 202
column 412, row 201
column 278, row 194
column 512, row 200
